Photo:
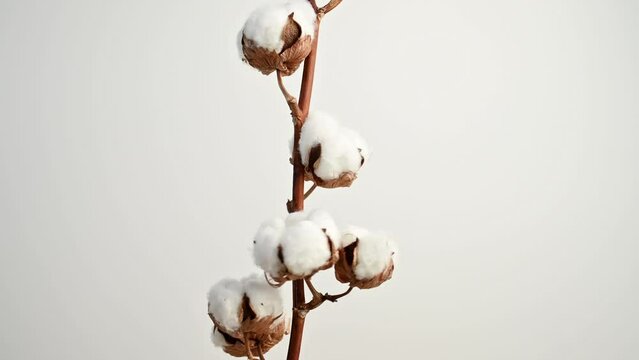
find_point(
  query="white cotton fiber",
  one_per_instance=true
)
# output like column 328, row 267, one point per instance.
column 265, row 300
column 295, row 217
column 321, row 218
column 305, row 248
column 374, row 251
column 264, row 26
column 339, row 155
column 342, row 148
column 325, row 221
column 304, row 15
column 266, row 243
column 350, row 234
column 357, row 140
column 225, row 299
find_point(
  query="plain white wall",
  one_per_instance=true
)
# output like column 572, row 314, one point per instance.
column 138, row 155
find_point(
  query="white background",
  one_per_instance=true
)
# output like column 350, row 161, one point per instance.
column 138, row 155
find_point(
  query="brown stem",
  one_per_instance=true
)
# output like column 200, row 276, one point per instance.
column 330, row 6
column 297, row 203
column 290, row 99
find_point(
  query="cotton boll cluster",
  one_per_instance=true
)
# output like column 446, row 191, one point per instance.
column 298, row 247
column 365, row 259
column 247, row 314
column 278, row 36
column 331, row 154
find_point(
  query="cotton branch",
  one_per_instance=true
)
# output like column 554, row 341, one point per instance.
column 310, row 191
column 319, row 298
column 314, row 5
column 296, row 112
column 328, row 7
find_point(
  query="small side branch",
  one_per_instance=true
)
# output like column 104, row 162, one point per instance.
column 296, row 112
column 310, row 191
column 334, row 298
column 330, row 6
column 319, row 298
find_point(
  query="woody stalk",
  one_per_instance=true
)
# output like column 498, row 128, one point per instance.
column 248, row 316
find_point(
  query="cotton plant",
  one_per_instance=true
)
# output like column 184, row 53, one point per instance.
column 247, row 314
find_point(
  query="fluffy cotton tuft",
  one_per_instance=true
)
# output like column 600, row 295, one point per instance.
column 264, row 299
column 297, row 247
column 305, row 248
column 225, row 299
column 342, row 149
column 325, row 221
column 264, row 26
column 374, row 253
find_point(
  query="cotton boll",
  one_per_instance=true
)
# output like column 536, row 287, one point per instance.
column 225, row 300
column 365, row 258
column 264, row 26
column 278, row 36
column 331, row 154
column 264, row 299
column 305, row 248
column 302, row 244
column 247, row 314
column 265, row 248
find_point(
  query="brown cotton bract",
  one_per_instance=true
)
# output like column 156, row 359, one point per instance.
column 296, row 48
